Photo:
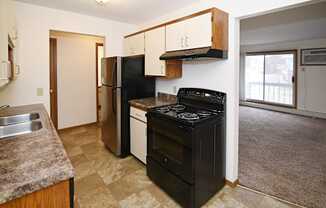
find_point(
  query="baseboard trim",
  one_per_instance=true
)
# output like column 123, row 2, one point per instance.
column 82, row 125
column 232, row 184
column 284, row 110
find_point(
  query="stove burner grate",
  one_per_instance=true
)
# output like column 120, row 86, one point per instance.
column 164, row 109
column 178, row 108
column 204, row 113
column 188, row 116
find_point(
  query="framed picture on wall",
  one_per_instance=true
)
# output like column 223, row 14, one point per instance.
column 313, row 57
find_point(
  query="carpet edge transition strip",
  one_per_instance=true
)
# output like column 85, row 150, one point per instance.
column 274, row 197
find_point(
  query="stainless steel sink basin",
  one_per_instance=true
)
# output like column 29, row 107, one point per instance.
column 16, row 119
column 19, row 129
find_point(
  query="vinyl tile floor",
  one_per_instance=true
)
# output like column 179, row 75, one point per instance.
column 105, row 181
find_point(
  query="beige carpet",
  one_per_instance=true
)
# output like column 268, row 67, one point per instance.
column 283, row 155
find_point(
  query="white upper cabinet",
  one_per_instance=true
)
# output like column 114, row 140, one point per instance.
column 194, row 32
column 7, row 25
column 198, row 31
column 175, row 36
column 154, row 48
column 134, row 45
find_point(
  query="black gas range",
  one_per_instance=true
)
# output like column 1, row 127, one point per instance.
column 186, row 146
column 186, row 114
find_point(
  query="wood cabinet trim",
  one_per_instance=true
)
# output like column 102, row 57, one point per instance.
column 175, row 21
column 220, row 29
column 58, row 195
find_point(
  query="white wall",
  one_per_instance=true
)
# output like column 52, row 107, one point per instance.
column 34, row 24
column 311, row 79
column 302, row 23
column 220, row 75
column 76, row 79
column 307, row 29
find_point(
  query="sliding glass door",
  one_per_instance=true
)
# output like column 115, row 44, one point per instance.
column 270, row 77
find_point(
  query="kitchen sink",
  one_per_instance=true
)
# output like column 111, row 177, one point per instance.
column 20, row 128
column 16, row 119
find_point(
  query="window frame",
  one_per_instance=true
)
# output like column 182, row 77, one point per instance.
column 295, row 77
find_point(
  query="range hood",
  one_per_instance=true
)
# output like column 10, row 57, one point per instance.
column 198, row 53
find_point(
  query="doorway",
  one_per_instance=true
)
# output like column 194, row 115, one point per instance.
column 74, row 78
column 99, row 56
column 53, row 82
column 282, row 114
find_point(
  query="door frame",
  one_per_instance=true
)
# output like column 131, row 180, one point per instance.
column 97, row 87
column 53, row 82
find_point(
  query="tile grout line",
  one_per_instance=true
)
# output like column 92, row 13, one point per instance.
column 274, row 197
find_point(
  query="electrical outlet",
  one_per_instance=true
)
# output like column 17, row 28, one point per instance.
column 39, row 91
column 174, row 89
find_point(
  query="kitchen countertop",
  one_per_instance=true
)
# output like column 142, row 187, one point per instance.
column 152, row 102
column 34, row 161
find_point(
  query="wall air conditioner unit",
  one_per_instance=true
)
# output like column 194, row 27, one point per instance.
column 313, row 57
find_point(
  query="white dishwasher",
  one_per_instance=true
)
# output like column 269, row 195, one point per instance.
column 138, row 133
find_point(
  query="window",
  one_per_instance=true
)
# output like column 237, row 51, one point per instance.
column 270, row 77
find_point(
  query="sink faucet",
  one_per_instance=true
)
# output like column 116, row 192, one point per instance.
column 4, row 106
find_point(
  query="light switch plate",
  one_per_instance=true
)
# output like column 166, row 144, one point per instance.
column 39, row 91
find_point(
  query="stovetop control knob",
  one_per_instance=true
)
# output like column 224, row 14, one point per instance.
column 165, row 160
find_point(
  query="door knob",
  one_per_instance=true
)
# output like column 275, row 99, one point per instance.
column 51, row 91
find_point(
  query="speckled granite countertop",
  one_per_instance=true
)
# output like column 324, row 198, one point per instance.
column 32, row 161
column 152, row 102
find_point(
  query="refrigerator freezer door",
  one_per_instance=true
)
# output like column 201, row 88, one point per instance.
column 111, row 119
column 111, row 71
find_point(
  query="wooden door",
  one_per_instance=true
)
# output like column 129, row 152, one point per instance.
column 198, row 31
column 53, row 82
column 175, row 36
column 155, row 47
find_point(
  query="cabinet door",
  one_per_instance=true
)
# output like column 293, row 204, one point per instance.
column 126, row 47
column 4, row 30
column 175, row 36
column 138, row 139
column 154, row 48
column 198, row 31
column 136, row 45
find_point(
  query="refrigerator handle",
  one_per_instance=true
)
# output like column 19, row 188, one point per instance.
column 113, row 100
column 114, row 75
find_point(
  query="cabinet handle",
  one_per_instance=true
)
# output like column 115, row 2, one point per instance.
column 182, row 42
column 186, row 40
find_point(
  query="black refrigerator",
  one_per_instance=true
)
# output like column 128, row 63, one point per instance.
column 123, row 79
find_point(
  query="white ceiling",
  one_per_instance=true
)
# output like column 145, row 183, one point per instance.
column 302, row 23
column 131, row 11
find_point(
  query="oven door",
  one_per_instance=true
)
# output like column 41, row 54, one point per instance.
column 170, row 145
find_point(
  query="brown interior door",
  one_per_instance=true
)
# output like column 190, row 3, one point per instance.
column 53, row 82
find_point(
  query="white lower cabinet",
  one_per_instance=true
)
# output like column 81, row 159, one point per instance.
column 138, row 134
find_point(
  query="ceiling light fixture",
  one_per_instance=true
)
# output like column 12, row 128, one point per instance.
column 101, row 1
